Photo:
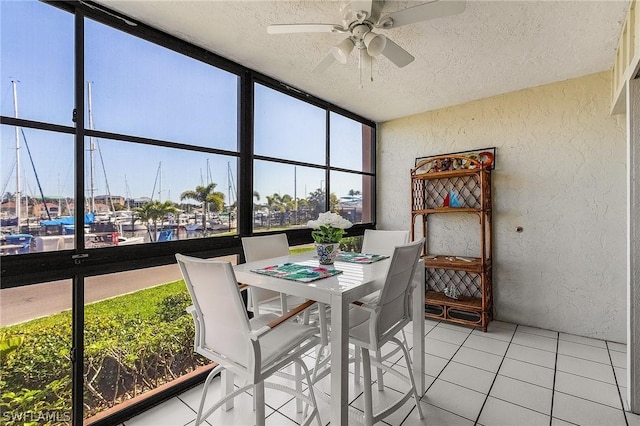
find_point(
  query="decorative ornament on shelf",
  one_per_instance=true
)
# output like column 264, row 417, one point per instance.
column 327, row 233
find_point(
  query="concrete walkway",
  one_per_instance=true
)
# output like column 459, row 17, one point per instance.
column 25, row 303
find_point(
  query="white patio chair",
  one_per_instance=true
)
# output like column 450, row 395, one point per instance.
column 261, row 300
column 383, row 242
column 376, row 241
column 373, row 325
column 252, row 349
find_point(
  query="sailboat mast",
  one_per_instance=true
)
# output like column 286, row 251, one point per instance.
column 92, row 148
column 18, row 185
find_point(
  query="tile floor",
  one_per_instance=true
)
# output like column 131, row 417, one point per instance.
column 511, row 375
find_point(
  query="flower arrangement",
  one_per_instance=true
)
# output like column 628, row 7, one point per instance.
column 329, row 228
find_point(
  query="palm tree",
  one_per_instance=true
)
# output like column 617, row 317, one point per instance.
column 208, row 197
column 153, row 212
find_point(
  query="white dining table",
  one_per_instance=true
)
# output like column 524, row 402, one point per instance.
column 355, row 281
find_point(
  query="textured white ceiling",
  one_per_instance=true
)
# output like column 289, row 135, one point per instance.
column 493, row 47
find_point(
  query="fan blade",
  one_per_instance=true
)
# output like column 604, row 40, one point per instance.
column 304, row 28
column 324, row 64
column 397, row 54
column 361, row 9
column 422, row 12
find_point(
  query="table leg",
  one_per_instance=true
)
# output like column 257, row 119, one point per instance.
column 418, row 328
column 339, row 361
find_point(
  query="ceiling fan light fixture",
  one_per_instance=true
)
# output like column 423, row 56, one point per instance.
column 375, row 43
column 342, row 51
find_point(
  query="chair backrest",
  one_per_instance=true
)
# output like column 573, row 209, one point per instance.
column 223, row 324
column 382, row 242
column 395, row 295
column 259, row 248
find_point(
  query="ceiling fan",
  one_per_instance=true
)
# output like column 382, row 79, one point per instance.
column 360, row 18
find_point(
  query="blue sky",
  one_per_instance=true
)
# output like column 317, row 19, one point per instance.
column 145, row 90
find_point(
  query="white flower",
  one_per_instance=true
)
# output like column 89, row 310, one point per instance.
column 329, row 228
column 330, row 219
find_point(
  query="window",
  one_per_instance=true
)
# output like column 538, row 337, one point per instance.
column 152, row 167
column 138, row 88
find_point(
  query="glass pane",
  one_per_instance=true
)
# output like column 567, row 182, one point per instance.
column 41, row 191
column 35, row 326
column 146, row 193
column 286, row 196
column 284, row 125
column 351, row 144
column 354, row 196
column 36, row 51
column 138, row 88
column 138, row 335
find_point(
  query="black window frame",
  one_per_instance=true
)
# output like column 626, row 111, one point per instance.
column 77, row 264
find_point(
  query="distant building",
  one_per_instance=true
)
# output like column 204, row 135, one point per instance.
column 108, row 199
column 138, row 202
column 40, row 210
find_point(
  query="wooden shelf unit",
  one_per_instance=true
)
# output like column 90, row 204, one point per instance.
column 432, row 190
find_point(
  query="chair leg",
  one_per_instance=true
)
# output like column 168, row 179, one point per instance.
column 259, row 400
column 405, row 351
column 298, row 380
column 368, row 398
column 312, row 394
column 356, row 366
column 379, row 371
column 227, row 388
column 205, row 389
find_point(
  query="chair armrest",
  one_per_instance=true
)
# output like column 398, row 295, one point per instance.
column 276, row 322
column 366, row 306
column 281, row 319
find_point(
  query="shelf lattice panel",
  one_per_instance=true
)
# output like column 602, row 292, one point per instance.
column 434, row 192
column 467, row 283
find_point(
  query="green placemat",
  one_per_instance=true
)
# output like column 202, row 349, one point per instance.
column 295, row 272
column 346, row 256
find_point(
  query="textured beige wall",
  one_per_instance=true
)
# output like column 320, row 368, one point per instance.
column 560, row 175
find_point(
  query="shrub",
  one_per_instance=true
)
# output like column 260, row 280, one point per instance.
column 133, row 343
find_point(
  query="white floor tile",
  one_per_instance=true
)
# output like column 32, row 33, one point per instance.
column 502, row 324
column 436, row 416
column 579, row 350
column 535, row 341
column 618, row 359
column 585, row 368
column 633, row 419
column 171, row 413
column 592, row 390
column 479, row 359
column 522, row 393
column 538, row 331
column 486, row 344
column 495, row 332
column 383, row 399
column 455, row 399
column 469, row 377
column 433, row 365
column 456, row 327
column 618, row 347
column 558, row 422
column 582, row 412
column 621, row 376
column 527, row 372
column 623, row 395
column 583, row 340
column 502, row 413
column 532, row 355
column 448, row 335
column 439, row 348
